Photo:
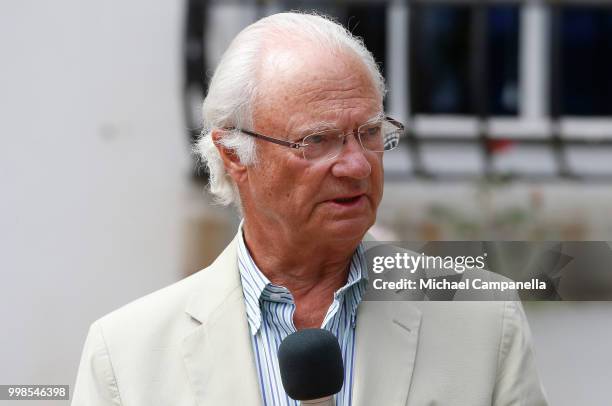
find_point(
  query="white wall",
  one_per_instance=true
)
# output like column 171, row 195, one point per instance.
column 572, row 348
column 94, row 168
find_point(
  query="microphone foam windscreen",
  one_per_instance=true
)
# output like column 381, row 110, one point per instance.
column 310, row 364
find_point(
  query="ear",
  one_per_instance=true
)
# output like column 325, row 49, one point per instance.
column 231, row 161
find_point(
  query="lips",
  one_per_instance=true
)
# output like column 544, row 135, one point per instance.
column 348, row 205
column 347, row 200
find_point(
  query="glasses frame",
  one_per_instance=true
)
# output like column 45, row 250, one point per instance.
column 300, row 145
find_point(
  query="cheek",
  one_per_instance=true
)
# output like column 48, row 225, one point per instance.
column 306, row 185
column 285, row 183
column 377, row 177
column 377, row 185
column 265, row 181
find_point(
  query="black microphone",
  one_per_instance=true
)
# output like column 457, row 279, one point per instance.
column 311, row 366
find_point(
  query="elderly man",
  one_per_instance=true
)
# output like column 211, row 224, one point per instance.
column 295, row 136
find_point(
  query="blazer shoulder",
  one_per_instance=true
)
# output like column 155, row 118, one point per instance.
column 486, row 312
column 169, row 304
column 161, row 307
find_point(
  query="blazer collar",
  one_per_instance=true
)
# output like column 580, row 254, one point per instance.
column 386, row 340
column 217, row 354
column 216, row 283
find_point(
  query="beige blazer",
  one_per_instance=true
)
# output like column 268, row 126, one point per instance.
column 188, row 344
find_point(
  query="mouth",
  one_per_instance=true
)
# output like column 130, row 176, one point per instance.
column 349, row 201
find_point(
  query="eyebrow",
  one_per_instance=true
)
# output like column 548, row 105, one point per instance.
column 314, row 127
column 327, row 125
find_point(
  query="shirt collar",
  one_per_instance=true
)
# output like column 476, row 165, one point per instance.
column 257, row 287
column 253, row 283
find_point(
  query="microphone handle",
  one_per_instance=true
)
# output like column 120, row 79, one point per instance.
column 326, row 401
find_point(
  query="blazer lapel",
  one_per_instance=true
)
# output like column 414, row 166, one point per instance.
column 386, row 341
column 218, row 353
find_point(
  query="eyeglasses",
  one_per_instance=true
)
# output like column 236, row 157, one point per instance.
column 377, row 136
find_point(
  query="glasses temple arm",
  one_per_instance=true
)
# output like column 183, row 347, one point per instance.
column 284, row 143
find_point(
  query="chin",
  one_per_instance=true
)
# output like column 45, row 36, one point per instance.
column 352, row 229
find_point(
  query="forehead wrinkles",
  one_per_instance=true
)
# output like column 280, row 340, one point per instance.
column 335, row 103
column 343, row 88
column 310, row 84
column 288, row 105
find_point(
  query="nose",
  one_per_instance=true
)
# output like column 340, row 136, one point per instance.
column 351, row 162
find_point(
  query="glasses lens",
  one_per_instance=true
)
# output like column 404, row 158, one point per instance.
column 379, row 136
column 322, row 145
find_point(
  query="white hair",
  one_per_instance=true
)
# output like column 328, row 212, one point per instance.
column 233, row 87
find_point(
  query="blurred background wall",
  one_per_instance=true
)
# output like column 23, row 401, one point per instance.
column 508, row 109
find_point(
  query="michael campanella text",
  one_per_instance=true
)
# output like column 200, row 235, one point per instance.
column 465, row 284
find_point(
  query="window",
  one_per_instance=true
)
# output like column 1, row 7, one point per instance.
column 464, row 59
column 582, row 60
column 503, row 59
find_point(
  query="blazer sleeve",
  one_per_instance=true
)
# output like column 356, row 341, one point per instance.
column 96, row 384
column 518, row 382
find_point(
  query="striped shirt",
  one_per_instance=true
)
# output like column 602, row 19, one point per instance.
column 270, row 310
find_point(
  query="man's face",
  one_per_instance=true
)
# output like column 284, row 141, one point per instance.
column 333, row 199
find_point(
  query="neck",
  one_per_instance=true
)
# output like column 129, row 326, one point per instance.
column 312, row 269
